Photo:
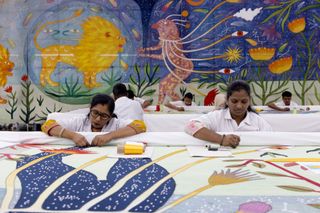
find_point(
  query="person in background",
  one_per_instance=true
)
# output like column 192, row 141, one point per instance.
column 126, row 108
column 144, row 103
column 180, row 105
column 285, row 104
column 237, row 116
column 219, row 101
column 100, row 119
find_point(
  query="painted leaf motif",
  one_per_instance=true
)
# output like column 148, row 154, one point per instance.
column 297, row 188
column 233, row 160
column 282, row 47
column 259, row 165
column 235, row 166
column 273, row 174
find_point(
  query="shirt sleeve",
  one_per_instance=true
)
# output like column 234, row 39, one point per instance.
column 208, row 120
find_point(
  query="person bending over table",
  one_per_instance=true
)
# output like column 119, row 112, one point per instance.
column 237, row 116
column 179, row 105
column 99, row 119
column 285, row 103
column 144, row 103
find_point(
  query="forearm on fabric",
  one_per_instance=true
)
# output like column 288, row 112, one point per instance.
column 52, row 128
column 209, row 135
column 274, row 106
column 122, row 132
column 171, row 106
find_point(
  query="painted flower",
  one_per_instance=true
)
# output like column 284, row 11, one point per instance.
column 24, row 77
column 270, row 32
column 281, row 65
column 227, row 177
column 262, row 53
column 8, row 89
column 297, row 25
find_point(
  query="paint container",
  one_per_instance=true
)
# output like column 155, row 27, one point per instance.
column 131, row 148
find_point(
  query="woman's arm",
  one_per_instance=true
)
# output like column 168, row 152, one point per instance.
column 146, row 103
column 208, row 135
column 275, row 107
column 133, row 128
column 171, row 106
column 198, row 130
column 52, row 128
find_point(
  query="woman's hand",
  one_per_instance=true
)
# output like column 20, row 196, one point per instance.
column 180, row 108
column 79, row 140
column 286, row 109
column 101, row 140
column 231, row 140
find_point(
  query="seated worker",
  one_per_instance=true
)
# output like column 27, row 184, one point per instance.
column 237, row 116
column 99, row 119
column 126, row 108
column 144, row 103
column 220, row 101
column 179, row 105
column 285, row 104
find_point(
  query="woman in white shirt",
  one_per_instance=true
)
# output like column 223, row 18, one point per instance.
column 179, row 105
column 99, row 119
column 237, row 116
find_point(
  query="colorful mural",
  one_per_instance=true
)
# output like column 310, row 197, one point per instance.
column 59, row 178
column 56, row 54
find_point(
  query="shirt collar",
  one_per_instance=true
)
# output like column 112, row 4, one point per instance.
column 246, row 120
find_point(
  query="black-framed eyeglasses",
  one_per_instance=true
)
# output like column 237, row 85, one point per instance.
column 95, row 113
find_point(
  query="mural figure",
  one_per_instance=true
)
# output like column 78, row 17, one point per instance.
column 173, row 53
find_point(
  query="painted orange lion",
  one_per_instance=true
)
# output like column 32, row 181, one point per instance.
column 6, row 67
column 97, row 49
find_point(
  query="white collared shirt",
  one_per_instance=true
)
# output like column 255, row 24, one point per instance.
column 125, row 108
column 221, row 121
column 82, row 123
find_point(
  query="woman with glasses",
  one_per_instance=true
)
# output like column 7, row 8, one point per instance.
column 99, row 119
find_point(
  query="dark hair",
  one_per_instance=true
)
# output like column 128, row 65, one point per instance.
column 236, row 86
column 119, row 90
column 104, row 100
column 286, row 94
column 130, row 94
column 188, row 95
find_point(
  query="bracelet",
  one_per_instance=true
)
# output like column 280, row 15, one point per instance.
column 61, row 132
column 221, row 142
